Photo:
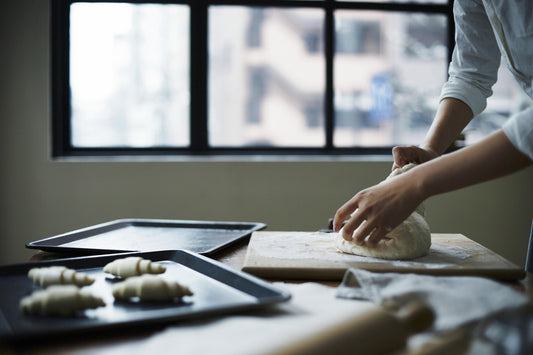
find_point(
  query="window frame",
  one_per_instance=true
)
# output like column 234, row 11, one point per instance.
column 199, row 21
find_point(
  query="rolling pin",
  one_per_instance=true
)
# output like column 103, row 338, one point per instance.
column 373, row 332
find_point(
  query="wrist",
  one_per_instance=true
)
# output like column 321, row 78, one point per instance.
column 419, row 185
column 432, row 151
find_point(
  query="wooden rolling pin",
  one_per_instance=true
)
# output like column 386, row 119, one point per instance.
column 374, row 332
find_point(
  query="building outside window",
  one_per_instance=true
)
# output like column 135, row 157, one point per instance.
column 267, row 81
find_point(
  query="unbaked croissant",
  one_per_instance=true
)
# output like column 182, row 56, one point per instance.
column 150, row 288
column 62, row 300
column 133, row 266
column 56, row 275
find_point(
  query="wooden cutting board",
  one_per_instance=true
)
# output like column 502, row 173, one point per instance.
column 313, row 256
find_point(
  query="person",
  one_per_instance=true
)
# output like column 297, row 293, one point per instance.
column 486, row 30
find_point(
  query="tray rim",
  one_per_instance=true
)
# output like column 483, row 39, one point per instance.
column 277, row 295
column 123, row 222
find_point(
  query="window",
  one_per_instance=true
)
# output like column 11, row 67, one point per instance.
column 246, row 77
column 129, row 77
column 278, row 78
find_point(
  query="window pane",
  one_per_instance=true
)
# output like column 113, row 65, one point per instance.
column 266, row 77
column 129, row 75
column 389, row 70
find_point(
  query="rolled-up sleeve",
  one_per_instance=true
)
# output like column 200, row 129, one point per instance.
column 519, row 130
column 475, row 59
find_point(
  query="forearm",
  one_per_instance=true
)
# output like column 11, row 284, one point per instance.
column 451, row 118
column 387, row 204
column 488, row 159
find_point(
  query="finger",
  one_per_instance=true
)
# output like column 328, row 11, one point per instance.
column 342, row 213
column 398, row 154
column 395, row 166
column 362, row 233
column 394, row 154
column 377, row 234
column 345, row 235
column 405, row 155
column 352, row 224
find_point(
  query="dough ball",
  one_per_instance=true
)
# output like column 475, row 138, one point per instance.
column 409, row 240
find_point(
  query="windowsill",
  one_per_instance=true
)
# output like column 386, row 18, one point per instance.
column 223, row 158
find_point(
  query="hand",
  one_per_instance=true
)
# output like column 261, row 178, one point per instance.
column 381, row 207
column 411, row 154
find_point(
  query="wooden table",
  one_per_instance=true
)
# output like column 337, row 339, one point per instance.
column 126, row 342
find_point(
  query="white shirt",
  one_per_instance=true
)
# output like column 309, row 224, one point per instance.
column 485, row 31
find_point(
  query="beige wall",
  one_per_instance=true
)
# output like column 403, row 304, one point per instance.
column 41, row 197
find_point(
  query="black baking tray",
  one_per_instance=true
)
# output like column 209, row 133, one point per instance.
column 124, row 235
column 217, row 290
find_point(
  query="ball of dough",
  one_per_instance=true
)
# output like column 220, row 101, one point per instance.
column 409, row 240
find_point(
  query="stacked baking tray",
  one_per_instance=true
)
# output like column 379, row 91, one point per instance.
column 181, row 246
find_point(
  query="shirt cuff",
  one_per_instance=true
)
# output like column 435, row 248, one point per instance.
column 459, row 89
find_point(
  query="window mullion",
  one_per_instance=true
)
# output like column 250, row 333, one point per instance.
column 199, row 67
column 451, row 31
column 61, row 115
column 329, row 109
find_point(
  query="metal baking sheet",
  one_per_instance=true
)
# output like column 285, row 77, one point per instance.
column 123, row 235
column 217, row 289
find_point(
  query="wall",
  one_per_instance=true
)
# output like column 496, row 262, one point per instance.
column 41, row 197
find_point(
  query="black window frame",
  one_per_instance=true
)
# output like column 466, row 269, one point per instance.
column 199, row 9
